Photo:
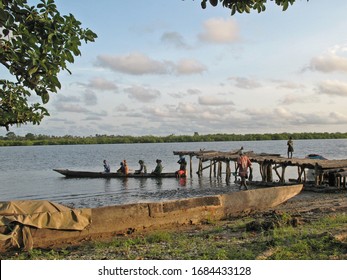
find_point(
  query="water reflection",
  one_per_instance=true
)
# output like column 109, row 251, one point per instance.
column 107, row 185
column 159, row 183
column 142, row 183
column 182, row 182
column 125, row 182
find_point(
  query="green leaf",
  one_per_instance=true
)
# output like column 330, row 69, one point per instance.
column 45, row 97
column 33, row 70
column 285, row 6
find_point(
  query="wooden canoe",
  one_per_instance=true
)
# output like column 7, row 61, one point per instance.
column 107, row 222
column 94, row 174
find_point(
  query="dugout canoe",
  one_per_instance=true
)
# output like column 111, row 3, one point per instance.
column 91, row 174
column 42, row 224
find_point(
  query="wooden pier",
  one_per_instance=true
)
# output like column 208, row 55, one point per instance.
column 332, row 171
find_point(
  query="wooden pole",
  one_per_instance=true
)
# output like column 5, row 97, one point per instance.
column 219, row 168
column 283, row 173
column 279, row 176
column 227, row 169
column 269, row 173
column 191, row 165
column 200, row 167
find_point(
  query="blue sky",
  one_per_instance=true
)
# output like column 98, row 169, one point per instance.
column 177, row 69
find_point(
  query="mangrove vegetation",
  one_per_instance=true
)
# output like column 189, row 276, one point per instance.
column 11, row 139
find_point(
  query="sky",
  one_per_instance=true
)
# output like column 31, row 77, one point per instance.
column 177, row 69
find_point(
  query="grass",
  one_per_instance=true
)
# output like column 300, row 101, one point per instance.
column 270, row 236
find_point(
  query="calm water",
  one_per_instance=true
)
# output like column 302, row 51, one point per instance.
column 26, row 172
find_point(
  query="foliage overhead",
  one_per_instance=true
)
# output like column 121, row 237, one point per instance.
column 36, row 43
column 246, row 6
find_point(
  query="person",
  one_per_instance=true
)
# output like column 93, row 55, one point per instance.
column 143, row 168
column 126, row 168
column 243, row 163
column 123, row 168
column 183, row 166
column 107, row 168
column 159, row 168
column 290, row 145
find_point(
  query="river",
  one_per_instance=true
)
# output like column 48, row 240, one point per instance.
column 26, row 171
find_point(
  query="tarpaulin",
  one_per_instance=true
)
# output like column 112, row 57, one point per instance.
column 18, row 216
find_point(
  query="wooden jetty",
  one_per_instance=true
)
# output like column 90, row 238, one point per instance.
column 333, row 171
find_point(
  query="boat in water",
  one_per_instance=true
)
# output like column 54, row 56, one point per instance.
column 94, row 174
column 28, row 224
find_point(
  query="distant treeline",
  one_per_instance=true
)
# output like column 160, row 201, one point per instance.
column 30, row 139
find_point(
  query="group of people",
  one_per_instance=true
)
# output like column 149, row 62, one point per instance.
column 124, row 169
column 243, row 165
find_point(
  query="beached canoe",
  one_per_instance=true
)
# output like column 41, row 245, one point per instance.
column 90, row 174
column 42, row 224
column 315, row 156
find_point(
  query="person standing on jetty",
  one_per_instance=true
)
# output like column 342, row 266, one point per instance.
column 243, row 163
column 290, row 145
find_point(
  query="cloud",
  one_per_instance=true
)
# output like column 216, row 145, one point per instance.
column 90, row 98
column 220, row 31
column 246, row 83
column 333, row 87
column 143, row 94
column 141, row 64
column 67, row 99
column 281, row 117
column 189, row 66
column 328, row 63
column 102, row 84
column 134, row 64
column 72, row 108
column 122, row 108
column 334, row 60
column 159, row 112
column 187, row 108
column 295, row 99
column 93, row 118
column 214, row 101
column 189, row 92
column 289, row 85
column 174, row 39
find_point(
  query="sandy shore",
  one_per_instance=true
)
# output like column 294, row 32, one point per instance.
column 308, row 201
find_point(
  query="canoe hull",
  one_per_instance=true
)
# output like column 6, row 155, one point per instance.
column 90, row 174
column 107, row 222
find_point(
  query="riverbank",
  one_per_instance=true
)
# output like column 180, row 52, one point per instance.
column 309, row 226
column 11, row 139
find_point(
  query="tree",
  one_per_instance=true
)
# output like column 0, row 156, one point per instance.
column 242, row 6
column 36, row 43
column 11, row 135
column 30, row 136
